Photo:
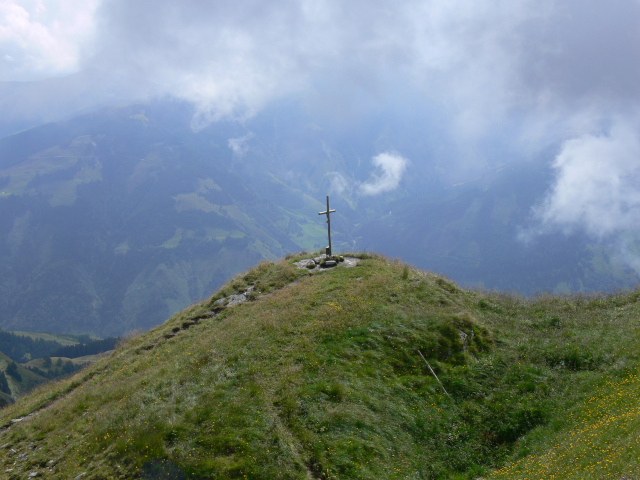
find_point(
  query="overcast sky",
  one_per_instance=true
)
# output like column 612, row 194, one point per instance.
column 526, row 75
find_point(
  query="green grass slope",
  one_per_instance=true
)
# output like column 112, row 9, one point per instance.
column 319, row 376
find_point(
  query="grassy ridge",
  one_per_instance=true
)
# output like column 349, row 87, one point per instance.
column 323, row 379
column 63, row 340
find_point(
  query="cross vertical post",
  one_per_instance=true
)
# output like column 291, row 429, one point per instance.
column 328, row 214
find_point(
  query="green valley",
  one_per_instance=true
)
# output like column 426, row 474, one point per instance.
column 28, row 359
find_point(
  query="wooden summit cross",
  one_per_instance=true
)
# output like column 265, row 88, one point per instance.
column 328, row 214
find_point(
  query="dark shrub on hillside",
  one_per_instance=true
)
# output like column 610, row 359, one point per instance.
column 4, row 385
column 12, row 370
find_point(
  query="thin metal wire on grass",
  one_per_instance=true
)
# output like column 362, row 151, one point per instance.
column 434, row 374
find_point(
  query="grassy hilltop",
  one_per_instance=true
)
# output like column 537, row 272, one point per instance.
column 318, row 375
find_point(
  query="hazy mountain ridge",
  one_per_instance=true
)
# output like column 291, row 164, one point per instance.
column 116, row 214
column 116, row 219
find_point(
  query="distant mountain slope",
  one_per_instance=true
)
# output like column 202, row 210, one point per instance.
column 321, row 374
column 115, row 220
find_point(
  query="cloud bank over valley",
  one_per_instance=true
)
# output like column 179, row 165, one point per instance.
column 485, row 83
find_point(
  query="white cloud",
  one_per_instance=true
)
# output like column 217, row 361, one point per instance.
column 338, row 184
column 597, row 185
column 240, row 146
column 492, row 76
column 482, row 66
column 391, row 168
column 43, row 39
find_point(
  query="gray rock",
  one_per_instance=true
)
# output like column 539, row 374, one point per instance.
column 351, row 261
column 307, row 263
column 330, row 263
column 236, row 299
column 220, row 302
column 463, row 338
column 33, row 474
